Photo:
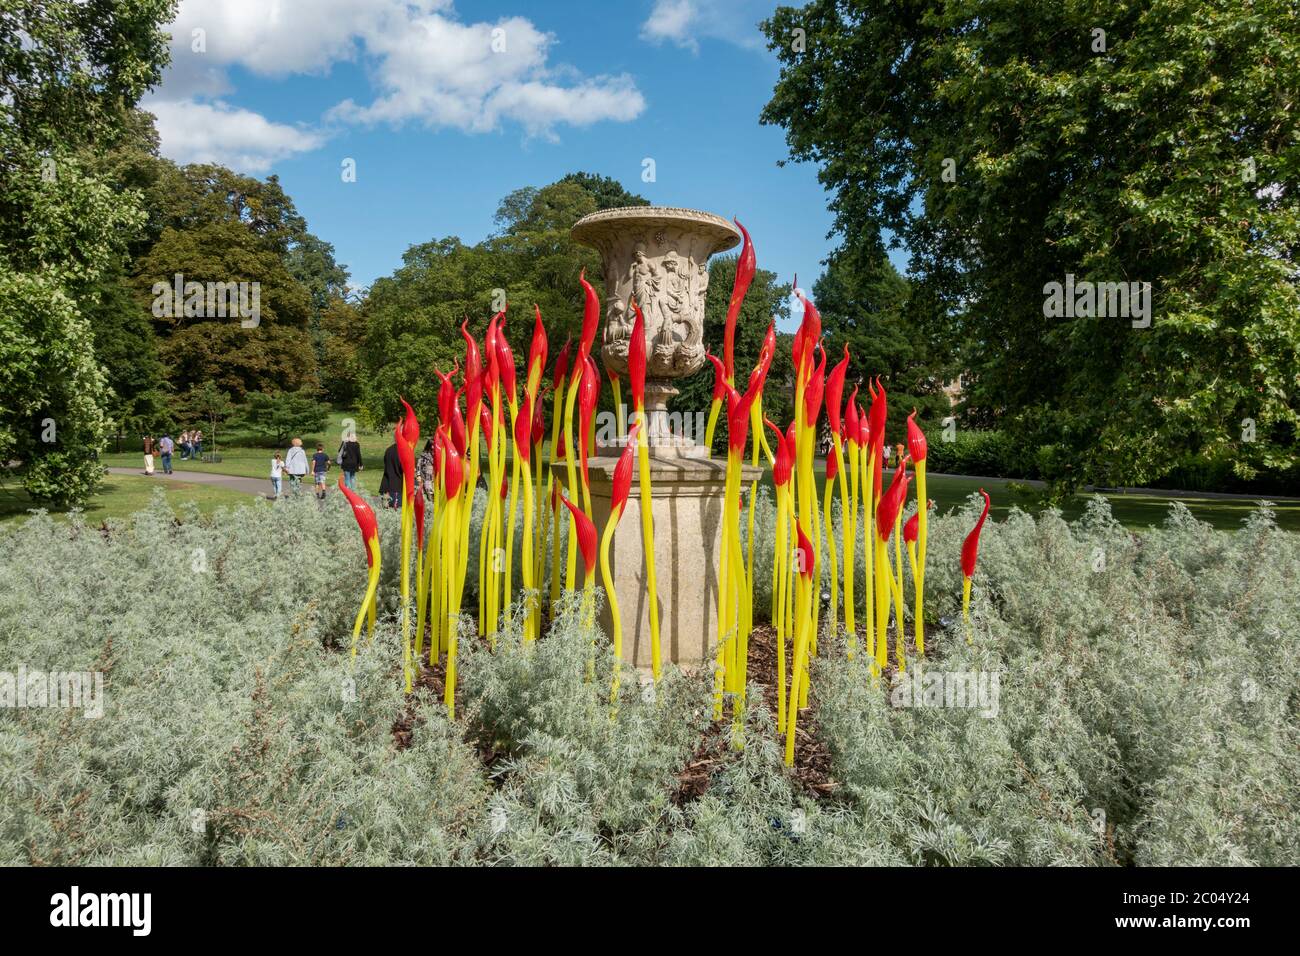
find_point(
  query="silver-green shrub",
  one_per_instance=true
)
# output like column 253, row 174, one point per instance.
column 1147, row 709
column 1148, row 687
column 231, row 732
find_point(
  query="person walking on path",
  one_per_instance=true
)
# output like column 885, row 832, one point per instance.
column 349, row 459
column 295, row 463
column 320, row 463
column 391, row 484
column 165, row 448
column 277, row 472
column 424, row 471
column 148, row 454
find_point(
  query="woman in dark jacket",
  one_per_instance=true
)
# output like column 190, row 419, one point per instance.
column 392, row 482
column 349, row 459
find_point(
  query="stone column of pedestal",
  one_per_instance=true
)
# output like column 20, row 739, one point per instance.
column 686, row 503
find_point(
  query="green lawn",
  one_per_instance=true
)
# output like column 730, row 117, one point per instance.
column 1133, row 511
column 248, row 460
column 122, row 495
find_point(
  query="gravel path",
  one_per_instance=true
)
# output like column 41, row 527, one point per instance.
column 252, row 486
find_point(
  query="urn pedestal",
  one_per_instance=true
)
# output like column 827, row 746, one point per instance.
column 686, row 505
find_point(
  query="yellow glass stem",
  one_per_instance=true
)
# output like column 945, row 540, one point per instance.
column 509, row 571
column 846, row 536
column 727, row 618
column 648, row 538
column 452, row 522
column 494, row 525
column 616, row 621
column 458, row 556
column 619, row 412
column 374, row 609
column 424, row 582
column 965, row 608
column 714, row 408
column 802, row 625
column 809, row 519
column 433, row 562
column 540, row 523
column 372, row 584
column 897, row 582
column 557, row 421
column 830, row 554
column 530, row 598
column 570, row 462
column 918, row 573
column 749, row 592
column 406, row 588
column 867, row 461
column 881, row 597
column 484, row 541
column 779, row 564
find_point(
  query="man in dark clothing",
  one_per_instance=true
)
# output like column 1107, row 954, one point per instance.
column 391, row 485
column 350, row 461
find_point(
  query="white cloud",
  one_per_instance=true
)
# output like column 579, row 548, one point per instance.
column 424, row 64
column 685, row 22
column 219, row 133
column 474, row 76
column 672, row 20
column 279, row 37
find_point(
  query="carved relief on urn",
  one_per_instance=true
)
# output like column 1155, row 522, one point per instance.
column 660, row 256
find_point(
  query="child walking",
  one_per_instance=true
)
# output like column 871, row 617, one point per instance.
column 320, row 463
column 277, row 473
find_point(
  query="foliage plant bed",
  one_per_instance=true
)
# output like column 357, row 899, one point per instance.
column 1147, row 713
column 812, row 766
column 811, row 771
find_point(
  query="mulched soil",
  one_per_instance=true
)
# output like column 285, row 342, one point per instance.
column 714, row 750
column 434, row 679
column 812, row 759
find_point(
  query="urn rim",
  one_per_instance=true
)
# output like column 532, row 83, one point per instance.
column 596, row 226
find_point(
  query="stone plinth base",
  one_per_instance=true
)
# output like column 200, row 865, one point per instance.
column 686, row 503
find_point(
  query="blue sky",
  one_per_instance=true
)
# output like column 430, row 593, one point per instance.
column 443, row 116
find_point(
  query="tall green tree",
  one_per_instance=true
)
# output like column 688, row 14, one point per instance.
column 195, row 212
column 69, row 72
column 605, row 190
column 273, row 355
column 279, row 417
column 412, row 319
column 1012, row 144
column 868, row 306
column 127, row 349
column 412, row 324
column 310, row 260
column 210, row 404
column 343, row 336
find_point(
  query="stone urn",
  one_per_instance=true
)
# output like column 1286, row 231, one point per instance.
column 660, row 256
